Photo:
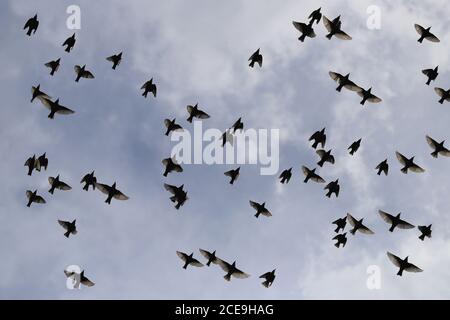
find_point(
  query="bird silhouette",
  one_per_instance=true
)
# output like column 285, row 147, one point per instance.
column 285, row 176
column 171, row 125
column 231, row 270
column 53, row 65
column 195, row 112
column 340, row 224
column 81, row 72
column 149, row 86
column 334, row 28
column 233, row 174
column 89, row 180
column 210, row 256
column 444, row 94
column 56, row 183
column 179, row 195
column 340, row 239
column 354, row 147
column 37, row 93
column 238, row 125
column 325, row 156
column 425, row 34
column 402, row 264
column 55, row 107
column 306, row 30
column 431, row 74
column 32, row 24
column 269, row 278
column 395, row 221
column 408, row 164
column 367, row 95
column 171, row 165
column 260, row 209
column 70, row 227
column 189, row 260
column 42, row 162
column 425, row 232
column 256, row 57
column 319, row 137
column 115, row 59
column 111, row 192
column 344, row 82
column 438, row 147
column 31, row 164
column 383, row 166
column 311, row 174
column 34, row 197
column 333, row 187
column 358, row 225
column 227, row 136
column 316, row 15
column 82, row 278
column 69, row 43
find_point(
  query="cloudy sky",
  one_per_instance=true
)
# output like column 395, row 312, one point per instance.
column 197, row 51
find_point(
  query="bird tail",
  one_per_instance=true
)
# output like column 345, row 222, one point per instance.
column 336, row 230
column 422, row 237
column 257, row 214
column 51, row 190
column 420, row 40
column 379, row 172
column 30, row 170
column 231, row 181
column 429, row 81
column 173, row 198
column 315, row 144
column 404, row 170
column 145, row 94
column 353, row 231
column 391, row 229
column 190, row 119
column 362, row 102
column 86, row 187
column 434, row 154
column 67, row 234
column 227, row 277
column 178, row 205
column 329, row 194
column 441, row 101
column 336, row 245
column 266, row 283
column 339, row 88
column 302, row 37
column 306, row 180
column 251, row 64
column 29, row 204
column 165, row 173
column 29, row 32
column 67, row 49
column 51, row 115
column 320, row 163
column 399, row 273
column 329, row 36
column 108, row 200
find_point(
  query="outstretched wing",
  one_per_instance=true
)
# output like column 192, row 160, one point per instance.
column 394, row 259
column 419, row 29
column 240, row 274
column 254, row 205
column 431, row 37
column 335, row 76
column 88, row 75
column 223, row 264
column 202, row 115
column 63, row 186
column 120, row 196
column 172, row 189
column 317, row 178
column 64, row 224
column 351, row 220
column 405, row 225
column 305, row 170
column 440, row 92
column 327, row 23
column 342, row 35
column 196, row 263
column 416, row 168
column 300, row 26
column 431, row 142
column 401, row 158
column 103, row 188
column 388, row 218
column 413, row 268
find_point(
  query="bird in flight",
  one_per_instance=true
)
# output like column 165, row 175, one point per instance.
column 316, row 15
column 325, row 156
column 69, row 43
column 189, row 260
column 367, row 95
column 149, row 86
column 438, row 147
column 358, row 225
column 53, row 65
column 431, row 74
column 227, row 136
column 70, row 227
column 171, row 125
column 179, row 195
column 425, row 34
column 354, row 147
column 269, row 278
column 285, row 176
column 31, row 163
column 37, row 93
column 115, row 59
column 319, row 137
column 195, row 112
column 408, row 164
column 81, row 72
column 210, row 256
column 383, row 166
column 306, row 30
column 32, row 24
column 56, row 183
column 82, row 278
column 395, row 221
column 89, row 180
column 334, row 28
column 55, row 107
column 340, row 239
column 256, row 57
column 344, row 82
column 42, row 162
column 34, row 197
column 340, row 224
column 333, row 187
column 233, row 174
column 425, row 232
column 402, row 264
column 238, row 125
column 231, row 270
column 111, row 192
column 311, row 174
column 260, row 209
column 444, row 94
column 171, row 165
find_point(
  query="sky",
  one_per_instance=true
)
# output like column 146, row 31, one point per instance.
column 197, row 51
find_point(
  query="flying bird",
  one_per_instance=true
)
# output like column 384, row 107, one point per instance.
column 358, row 225
column 318, row 137
column 367, row 95
column 344, row 82
column 383, row 166
column 354, row 147
column 402, row 264
column 115, row 59
column 438, row 147
column 56, row 183
column 285, row 176
column 233, row 174
column 37, row 93
column 444, row 94
column 334, row 28
column 340, row 239
column 70, row 227
column 395, row 221
column 238, row 125
column 269, row 278
column 149, row 86
column 81, row 72
column 306, row 30
column 189, row 260
column 69, row 43
column 179, row 195
column 340, row 224
column 171, row 125
column 82, row 278
column 333, row 187
column 34, row 197
column 408, row 164
column 325, row 156
column 111, row 191
column 195, row 112
column 425, row 34
column 256, row 57
column 53, row 65
column 31, row 164
column 311, row 174
column 55, row 107
column 32, row 24
column 231, row 270
column 89, row 180
column 42, row 162
column 316, row 15
column 431, row 74
column 426, row 232
column 210, row 256
column 260, row 209
column 171, row 165
column 227, row 136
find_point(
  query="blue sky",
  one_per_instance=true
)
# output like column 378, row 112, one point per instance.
column 197, row 52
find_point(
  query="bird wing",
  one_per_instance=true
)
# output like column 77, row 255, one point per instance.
column 205, row 253
column 413, row 268
column 335, row 76
column 266, row 213
column 394, row 259
column 416, row 168
column 224, row 265
column 77, row 69
column 254, row 205
column 300, row 26
column 69, row 273
column 439, row 91
column 84, row 178
column 177, row 168
column 351, row 220
column 63, row 186
column 317, row 178
column 240, row 274
column 305, row 170
column 431, row 142
column 182, row 255
column 46, row 102
column 327, row 23
column 202, row 115
column 167, row 123
column 111, row 58
column 321, row 153
column 103, row 188
column 189, row 109
column 265, row 275
column 172, row 189
column 254, row 55
column 342, row 35
column 229, row 173
column 196, row 263
column 64, row 110
column 388, row 218
column 49, row 64
column 350, row 85
column 423, row 229
column 331, row 159
column 120, row 196
column 374, row 99
column 405, row 225
column 145, row 85
column 64, row 224
column 445, row 152
column 427, row 71
column 87, row 74
column 51, row 180
column 419, row 29
column 39, row 199
column 336, row 221
column 401, row 158
column 29, row 193
column 365, row 230
column 88, row 283
column 28, row 23
column 431, row 37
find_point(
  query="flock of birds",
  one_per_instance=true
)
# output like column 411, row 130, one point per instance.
column 179, row 195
